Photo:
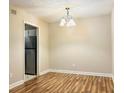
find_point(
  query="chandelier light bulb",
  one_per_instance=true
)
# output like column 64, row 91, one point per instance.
column 72, row 23
column 62, row 22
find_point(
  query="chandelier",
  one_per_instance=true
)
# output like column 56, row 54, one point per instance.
column 67, row 20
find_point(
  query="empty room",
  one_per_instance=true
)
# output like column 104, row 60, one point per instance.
column 61, row 46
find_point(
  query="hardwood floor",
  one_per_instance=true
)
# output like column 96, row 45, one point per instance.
column 66, row 83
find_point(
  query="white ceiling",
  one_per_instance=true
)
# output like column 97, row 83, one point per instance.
column 53, row 10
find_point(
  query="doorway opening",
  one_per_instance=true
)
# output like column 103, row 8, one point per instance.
column 31, row 59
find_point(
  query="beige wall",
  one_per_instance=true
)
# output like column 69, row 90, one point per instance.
column 112, row 27
column 86, row 47
column 17, row 43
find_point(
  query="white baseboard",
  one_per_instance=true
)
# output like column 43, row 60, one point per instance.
column 16, row 84
column 82, row 73
column 27, row 78
column 22, row 81
column 45, row 71
column 64, row 71
column 113, row 78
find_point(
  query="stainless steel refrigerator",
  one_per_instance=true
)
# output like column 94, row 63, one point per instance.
column 30, row 50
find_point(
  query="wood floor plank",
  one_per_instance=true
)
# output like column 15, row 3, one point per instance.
column 66, row 83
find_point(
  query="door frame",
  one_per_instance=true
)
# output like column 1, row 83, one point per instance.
column 38, row 64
